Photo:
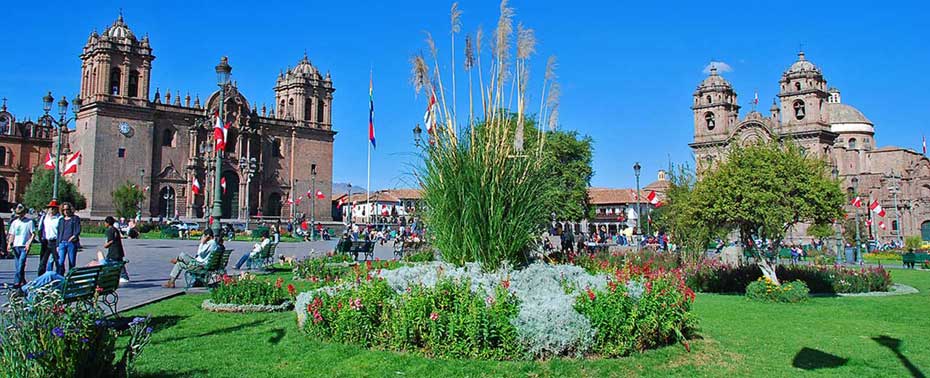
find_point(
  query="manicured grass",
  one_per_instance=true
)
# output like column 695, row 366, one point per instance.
column 840, row 337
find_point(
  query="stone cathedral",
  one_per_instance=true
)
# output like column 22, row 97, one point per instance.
column 813, row 115
column 274, row 155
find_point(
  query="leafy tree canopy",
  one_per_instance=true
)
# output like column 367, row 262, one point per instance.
column 126, row 200
column 39, row 191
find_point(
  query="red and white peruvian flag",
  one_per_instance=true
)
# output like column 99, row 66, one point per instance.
column 49, row 163
column 868, row 223
column 72, row 164
column 877, row 209
column 195, row 186
column 289, row 201
column 219, row 133
column 223, row 184
column 429, row 119
column 881, row 225
column 320, row 195
column 298, row 200
column 654, row 199
column 857, row 202
column 342, row 201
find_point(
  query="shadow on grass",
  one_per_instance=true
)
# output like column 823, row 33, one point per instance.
column 163, row 322
column 895, row 346
column 174, row 374
column 221, row 331
column 277, row 335
column 812, row 359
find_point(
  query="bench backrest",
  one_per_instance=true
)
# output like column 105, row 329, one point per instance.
column 215, row 258
column 362, row 246
column 108, row 279
column 80, row 282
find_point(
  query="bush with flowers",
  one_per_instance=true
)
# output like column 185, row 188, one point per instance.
column 766, row 290
column 335, row 268
column 247, row 290
column 43, row 337
column 641, row 309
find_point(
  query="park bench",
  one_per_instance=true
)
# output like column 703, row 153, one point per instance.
column 210, row 271
column 402, row 248
column 911, row 259
column 265, row 257
column 87, row 284
column 367, row 248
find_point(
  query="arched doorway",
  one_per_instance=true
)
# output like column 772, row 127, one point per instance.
column 166, row 202
column 230, row 205
column 4, row 195
column 925, row 231
column 273, row 206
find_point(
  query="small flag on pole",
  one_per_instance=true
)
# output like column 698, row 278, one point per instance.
column 877, row 208
column 653, row 199
column 195, row 186
column 857, row 202
column 371, row 114
column 49, row 163
column 881, row 225
column 219, row 133
column 924, row 144
column 223, row 184
column 429, row 118
column 72, row 165
column 320, row 195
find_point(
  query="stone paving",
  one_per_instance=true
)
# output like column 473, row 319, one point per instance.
column 149, row 263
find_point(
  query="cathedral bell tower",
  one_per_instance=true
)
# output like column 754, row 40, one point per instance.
column 715, row 109
column 116, row 66
column 305, row 96
column 803, row 92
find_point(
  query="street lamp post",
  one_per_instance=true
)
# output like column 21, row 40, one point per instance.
column 417, row 132
column 839, row 235
column 142, row 188
column 894, row 189
column 639, row 209
column 313, row 201
column 223, row 70
column 349, row 200
column 855, row 181
column 248, row 166
column 62, row 127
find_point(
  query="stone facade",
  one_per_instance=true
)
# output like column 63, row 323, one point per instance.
column 23, row 148
column 164, row 143
column 809, row 113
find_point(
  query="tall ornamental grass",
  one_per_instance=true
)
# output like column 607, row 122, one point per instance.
column 484, row 192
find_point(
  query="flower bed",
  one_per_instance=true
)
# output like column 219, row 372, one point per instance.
column 246, row 290
column 334, row 268
column 45, row 338
column 765, row 290
column 441, row 310
column 720, row 278
column 229, row 307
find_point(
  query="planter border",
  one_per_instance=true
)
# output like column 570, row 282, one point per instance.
column 230, row 307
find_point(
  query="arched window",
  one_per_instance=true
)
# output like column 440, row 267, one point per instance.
column 799, row 111
column 308, row 110
column 4, row 195
column 273, row 206
column 321, row 110
column 281, row 109
column 133, row 84
column 709, row 99
column 797, row 86
column 114, row 80
column 852, row 143
column 709, row 120
column 167, row 138
column 276, row 148
column 894, row 225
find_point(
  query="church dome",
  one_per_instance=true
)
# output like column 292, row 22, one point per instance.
column 844, row 118
column 802, row 65
column 304, row 68
column 714, row 80
column 119, row 30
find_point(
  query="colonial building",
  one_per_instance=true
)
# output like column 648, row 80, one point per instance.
column 23, row 147
column 809, row 113
column 619, row 208
column 389, row 206
column 125, row 134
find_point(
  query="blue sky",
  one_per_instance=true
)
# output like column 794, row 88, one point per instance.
column 627, row 69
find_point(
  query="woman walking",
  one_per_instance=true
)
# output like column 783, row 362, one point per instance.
column 69, row 232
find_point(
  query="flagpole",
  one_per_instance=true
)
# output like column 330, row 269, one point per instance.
column 368, row 189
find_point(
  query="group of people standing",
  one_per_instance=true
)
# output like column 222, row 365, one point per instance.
column 58, row 231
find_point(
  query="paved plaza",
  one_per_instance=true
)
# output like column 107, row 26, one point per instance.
column 150, row 263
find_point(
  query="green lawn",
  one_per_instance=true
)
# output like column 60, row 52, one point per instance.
column 842, row 337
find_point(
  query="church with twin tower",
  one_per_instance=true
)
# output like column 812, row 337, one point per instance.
column 275, row 155
column 809, row 113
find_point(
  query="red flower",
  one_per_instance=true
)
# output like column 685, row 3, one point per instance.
column 278, row 283
column 98, row 289
column 291, row 289
column 591, row 294
column 433, row 316
column 612, row 285
column 505, row 284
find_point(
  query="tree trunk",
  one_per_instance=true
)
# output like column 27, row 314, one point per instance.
column 768, row 270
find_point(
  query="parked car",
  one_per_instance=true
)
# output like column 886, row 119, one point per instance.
column 184, row 226
column 238, row 226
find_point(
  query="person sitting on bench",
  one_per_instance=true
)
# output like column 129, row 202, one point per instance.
column 207, row 246
column 51, row 278
column 256, row 250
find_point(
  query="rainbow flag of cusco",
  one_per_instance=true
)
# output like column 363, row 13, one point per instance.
column 371, row 114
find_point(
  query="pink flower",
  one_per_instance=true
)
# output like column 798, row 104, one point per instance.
column 433, row 316
column 489, row 300
column 355, row 304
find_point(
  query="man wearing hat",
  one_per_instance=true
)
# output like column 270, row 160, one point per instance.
column 20, row 239
column 48, row 237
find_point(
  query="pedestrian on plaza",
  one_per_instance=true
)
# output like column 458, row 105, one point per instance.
column 69, row 233
column 114, row 246
column 48, row 238
column 20, row 239
column 4, row 252
column 208, row 245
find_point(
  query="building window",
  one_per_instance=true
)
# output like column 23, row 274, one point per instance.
column 894, row 226
column 2, row 156
column 276, row 148
column 709, row 99
column 852, row 143
column 167, row 138
column 709, row 120
column 114, row 80
column 850, row 193
column 133, row 84
column 308, row 110
column 797, row 86
column 799, row 111
column 121, row 152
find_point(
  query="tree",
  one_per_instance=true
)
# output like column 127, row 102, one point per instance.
column 762, row 191
column 849, row 230
column 569, row 162
column 39, row 191
column 126, row 200
column 677, row 216
column 821, row 231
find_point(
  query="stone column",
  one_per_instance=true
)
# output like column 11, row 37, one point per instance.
column 124, row 78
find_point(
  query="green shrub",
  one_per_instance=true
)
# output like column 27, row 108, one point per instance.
column 145, row 227
column 765, row 290
column 247, row 290
column 352, row 316
column 46, row 338
column 913, row 243
column 93, row 228
column 422, row 255
column 170, row 232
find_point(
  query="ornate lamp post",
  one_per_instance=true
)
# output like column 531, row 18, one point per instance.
column 839, row 235
column 223, row 70
column 639, row 210
column 249, row 166
column 62, row 127
column 349, row 200
column 417, row 132
column 313, row 201
column 855, row 181
column 142, row 188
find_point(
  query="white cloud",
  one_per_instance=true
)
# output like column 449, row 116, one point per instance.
column 721, row 67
